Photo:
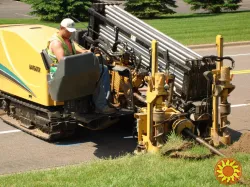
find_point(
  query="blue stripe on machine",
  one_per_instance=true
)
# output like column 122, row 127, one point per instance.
column 11, row 76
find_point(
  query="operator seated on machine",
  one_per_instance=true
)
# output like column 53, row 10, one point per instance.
column 60, row 45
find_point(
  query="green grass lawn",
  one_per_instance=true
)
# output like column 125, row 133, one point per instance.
column 188, row 29
column 203, row 28
column 133, row 171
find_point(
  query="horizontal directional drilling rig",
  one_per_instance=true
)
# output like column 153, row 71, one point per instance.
column 183, row 87
column 185, row 92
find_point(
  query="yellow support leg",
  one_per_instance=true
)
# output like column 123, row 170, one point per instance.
column 215, row 129
column 221, row 89
column 219, row 45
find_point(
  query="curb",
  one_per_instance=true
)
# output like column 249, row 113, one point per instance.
column 214, row 45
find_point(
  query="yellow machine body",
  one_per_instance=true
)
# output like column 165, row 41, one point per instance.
column 23, row 72
column 26, row 87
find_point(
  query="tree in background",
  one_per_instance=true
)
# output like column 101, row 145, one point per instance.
column 56, row 10
column 214, row 6
column 150, row 8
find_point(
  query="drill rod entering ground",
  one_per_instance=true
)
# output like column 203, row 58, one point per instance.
column 189, row 133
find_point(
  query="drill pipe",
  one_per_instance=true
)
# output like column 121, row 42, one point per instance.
column 153, row 30
column 145, row 56
column 181, row 61
column 189, row 133
column 106, row 32
column 146, row 37
column 147, row 41
column 128, row 18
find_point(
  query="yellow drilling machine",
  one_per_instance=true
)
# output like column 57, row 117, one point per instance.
column 158, row 119
column 156, row 81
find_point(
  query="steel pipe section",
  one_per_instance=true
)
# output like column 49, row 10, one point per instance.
column 148, row 27
column 173, row 57
column 147, row 35
column 145, row 32
column 108, row 33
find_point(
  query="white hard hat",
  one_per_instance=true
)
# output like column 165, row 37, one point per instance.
column 69, row 24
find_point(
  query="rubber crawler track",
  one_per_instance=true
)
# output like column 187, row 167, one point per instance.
column 36, row 132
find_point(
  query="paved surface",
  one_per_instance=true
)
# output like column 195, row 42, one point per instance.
column 22, row 152
column 14, row 9
column 17, row 9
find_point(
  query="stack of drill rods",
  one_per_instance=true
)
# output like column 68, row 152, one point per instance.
column 145, row 56
column 140, row 33
column 175, row 56
column 138, row 28
column 146, row 60
column 160, row 34
column 107, row 32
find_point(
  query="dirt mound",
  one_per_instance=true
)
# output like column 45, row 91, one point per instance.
column 243, row 145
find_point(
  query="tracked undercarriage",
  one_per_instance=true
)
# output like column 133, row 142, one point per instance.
column 42, row 122
column 54, row 123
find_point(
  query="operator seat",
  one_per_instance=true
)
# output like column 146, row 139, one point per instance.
column 76, row 77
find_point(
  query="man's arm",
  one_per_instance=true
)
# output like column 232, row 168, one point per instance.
column 80, row 49
column 57, row 49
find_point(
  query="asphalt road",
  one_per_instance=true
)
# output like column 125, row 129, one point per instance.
column 17, row 9
column 14, row 9
column 21, row 152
